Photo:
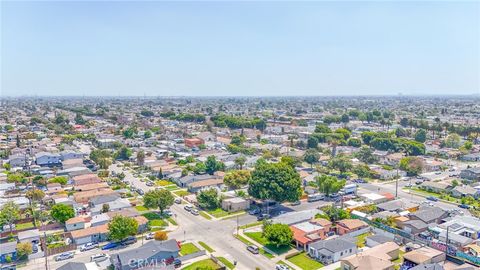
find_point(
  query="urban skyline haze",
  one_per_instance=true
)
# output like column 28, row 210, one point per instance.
column 239, row 48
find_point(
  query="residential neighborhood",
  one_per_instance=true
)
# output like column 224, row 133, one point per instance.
column 96, row 184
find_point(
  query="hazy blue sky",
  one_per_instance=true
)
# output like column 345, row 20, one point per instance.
column 240, row 48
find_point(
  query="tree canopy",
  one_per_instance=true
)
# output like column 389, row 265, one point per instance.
column 120, row 227
column 62, row 212
column 275, row 181
column 159, row 198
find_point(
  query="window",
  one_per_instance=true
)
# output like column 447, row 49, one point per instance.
column 341, row 253
column 350, row 250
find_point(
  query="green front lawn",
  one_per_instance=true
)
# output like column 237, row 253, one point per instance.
column 188, row 248
column 227, row 263
column 171, row 187
column 218, row 213
column 181, row 193
column 163, row 183
column 205, row 215
column 203, row 264
column 141, row 208
column 254, row 224
column 304, row 262
column 171, row 220
column 158, row 223
column 257, row 236
column 206, row 247
column 24, row 226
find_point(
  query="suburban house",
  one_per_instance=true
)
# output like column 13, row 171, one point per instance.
column 75, row 223
column 205, row 184
column 472, row 174
column 398, row 206
column 465, row 191
column 471, row 157
column 377, row 239
column 91, row 186
column 46, row 159
column 85, row 179
column 422, row 256
column 91, row 234
column 8, row 252
column 436, row 186
column 429, row 215
column 116, row 205
column 65, row 155
column 379, row 258
column 18, row 160
column 349, row 226
column 333, row 250
column 414, row 226
column 30, row 236
column 79, row 266
column 235, row 204
column 309, row 231
column 85, row 196
column 151, row 253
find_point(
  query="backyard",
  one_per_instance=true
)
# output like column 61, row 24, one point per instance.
column 257, row 236
column 304, row 262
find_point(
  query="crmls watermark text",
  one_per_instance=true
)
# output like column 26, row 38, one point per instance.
column 149, row 263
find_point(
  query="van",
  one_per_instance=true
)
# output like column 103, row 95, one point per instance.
column 315, row 197
column 253, row 249
column 99, row 257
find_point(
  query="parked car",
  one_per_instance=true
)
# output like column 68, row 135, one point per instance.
column 194, row 212
column 110, row 245
column 150, row 184
column 140, row 191
column 88, row 246
column 178, row 200
column 64, row 256
column 253, row 249
column 464, row 206
column 263, row 216
column 177, row 263
column 129, row 240
column 282, row 267
column 432, row 198
column 149, row 236
column 254, row 211
column 34, row 248
column 295, row 203
column 99, row 257
column 168, row 212
column 188, row 207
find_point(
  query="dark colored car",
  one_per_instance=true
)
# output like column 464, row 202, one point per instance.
column 433, row 199
column 177, row 263
column 110, row 245
column 263, row 216
column 464, row 206
column 129, row 240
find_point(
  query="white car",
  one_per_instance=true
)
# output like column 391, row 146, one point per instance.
column 64, row 256
column 149, row 236
column 88, row 246
column 99, row 257
column 194, row 212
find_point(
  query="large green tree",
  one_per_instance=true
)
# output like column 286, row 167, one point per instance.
column 329, row 184
column 212, row 165
column 121, row 227
column 311, row 156
column 275, row 181
column 62, row 212
column 341, row 163
column 237, row 178
column 9, row 214
column 277, row 234
column 412, row 165
column 208, row 199
column 161, row 199
column 421, row 135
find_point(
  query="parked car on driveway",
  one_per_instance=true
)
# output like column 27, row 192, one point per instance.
column 281, row 267
column 149, row 236
column 64, row 256
column 432, row 198
column 295, row 203
column 88, row 246
column 253, row 249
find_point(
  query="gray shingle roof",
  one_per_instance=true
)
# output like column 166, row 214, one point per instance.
column 73, row 266
column 148, row 250
column 335, row 245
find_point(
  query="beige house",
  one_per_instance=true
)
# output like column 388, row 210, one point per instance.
column 379, row 257
column 235, row 204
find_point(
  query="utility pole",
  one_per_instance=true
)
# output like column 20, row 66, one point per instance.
column 237, row 225
column 45, row 251
column 446, row 242
column 396, row 185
